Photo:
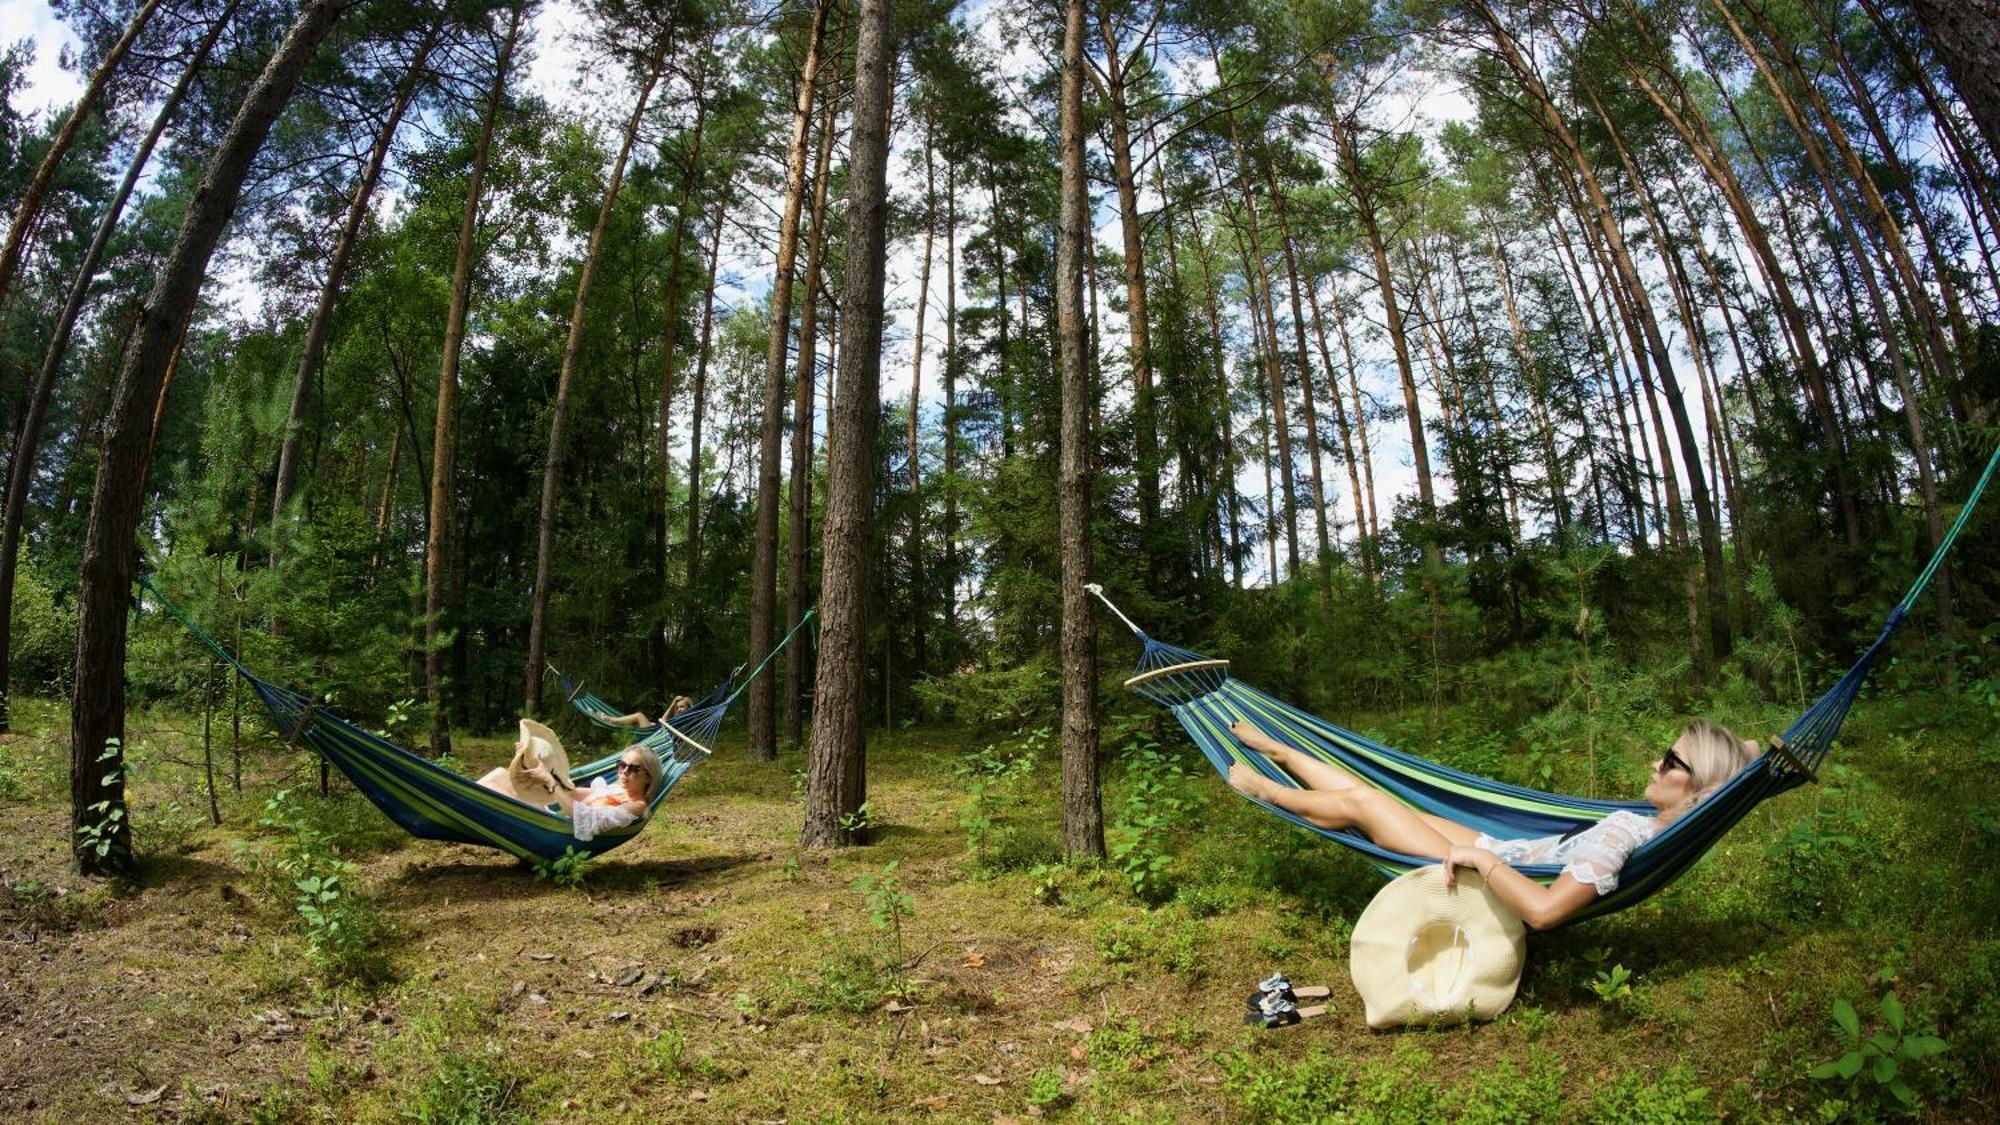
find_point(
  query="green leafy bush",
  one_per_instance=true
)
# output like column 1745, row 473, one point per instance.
column 1813, row 864
column 565, row 870
column 464, row 1089
column 1872, row 1066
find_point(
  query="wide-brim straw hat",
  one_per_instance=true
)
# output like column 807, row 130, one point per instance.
column 1427, row 953
column 538, row 746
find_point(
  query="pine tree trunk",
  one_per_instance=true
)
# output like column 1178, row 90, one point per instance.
column 918, row 610
column 1715, row 607
column 336, row 273
column 1145, row 424
column 1082, row 805
column 1254, row 269
column 100, row 830
column 444, row 431
column 700, row 394
column 28, row 211
column 1306, row 390
column 27, row 439
column 762, row 713
column 836, row 782
column 545, row 527
column 805, row 385
column 1364, row 210
column 1345, row 428
column 663, row 428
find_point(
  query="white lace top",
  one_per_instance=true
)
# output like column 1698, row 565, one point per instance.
column 1593, row 856
column 601, row 808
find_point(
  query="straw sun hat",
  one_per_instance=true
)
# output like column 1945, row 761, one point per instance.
column 538, row 746
column 1423, row 952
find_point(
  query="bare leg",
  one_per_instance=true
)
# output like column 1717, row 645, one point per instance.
column 635, row 719
column 1381, row 817
column 1311, row 772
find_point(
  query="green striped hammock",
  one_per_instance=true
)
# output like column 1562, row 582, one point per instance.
column 1205, row 699
column 434, row 803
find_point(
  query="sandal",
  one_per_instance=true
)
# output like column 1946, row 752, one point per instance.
column 1277, row 1012
column 1277, row 985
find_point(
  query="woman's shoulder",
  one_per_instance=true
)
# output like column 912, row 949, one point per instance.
column 1637, row 823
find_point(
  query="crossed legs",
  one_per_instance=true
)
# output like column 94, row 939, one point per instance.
column 1334, row 798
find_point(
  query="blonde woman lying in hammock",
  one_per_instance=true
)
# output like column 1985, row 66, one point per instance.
column 1706, row 755
column 638, row 718
column 530, row 777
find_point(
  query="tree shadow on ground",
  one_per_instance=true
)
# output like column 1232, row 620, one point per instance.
column 499, row 879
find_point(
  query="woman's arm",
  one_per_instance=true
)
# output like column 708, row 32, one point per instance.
column 1540, row 907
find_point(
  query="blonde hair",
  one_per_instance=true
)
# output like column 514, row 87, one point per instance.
column 649, row 761
column 1713, row 754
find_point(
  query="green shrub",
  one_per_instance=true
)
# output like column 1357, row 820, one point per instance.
column 464, row 1089
column 566, row 870
column 44, row 638
column 1814, row 864
column 1636, row 1097
column 1873, row 1068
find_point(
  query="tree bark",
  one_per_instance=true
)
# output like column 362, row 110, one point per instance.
column 804, row 390
column 1082, row 805
column 1306, row 389
column 1715, row 606
column 700, row 395
column 762, row 714
column 444, row 429
column 27, row 440
column 100, row 830
column 836, row 782
column 29, row 210
column 545, row 539
column 1144, row 421
column 336, row 273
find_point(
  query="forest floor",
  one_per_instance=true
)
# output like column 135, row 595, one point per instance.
column 709, row 970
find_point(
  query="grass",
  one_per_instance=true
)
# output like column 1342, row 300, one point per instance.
column 711, row 971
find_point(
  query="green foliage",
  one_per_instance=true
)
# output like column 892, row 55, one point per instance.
column 44, row 633
column 1046, row 1089
column 298, row 863
column 1167, row 939
column 1812, row 866
column 99, row 833
column 1157, row 803
column 464, row 1089
column 889, row 905
column 991, row 817
column 566, row 870
column 1878, row 1066
column 1636, row 1097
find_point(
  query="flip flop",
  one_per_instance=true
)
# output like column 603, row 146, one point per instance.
column 1282, row 1013
column 1277, row 985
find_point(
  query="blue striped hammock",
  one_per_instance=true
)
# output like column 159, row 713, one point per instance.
column 601, row 713
column 432, row 802
column 1205, row 700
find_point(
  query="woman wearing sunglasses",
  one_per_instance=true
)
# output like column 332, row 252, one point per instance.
column 603, row 807
column 1704, row 757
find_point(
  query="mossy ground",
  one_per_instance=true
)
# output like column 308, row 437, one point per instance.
column 711, row 971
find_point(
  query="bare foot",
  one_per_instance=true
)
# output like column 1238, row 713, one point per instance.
column 1257, row 740
column 1249, row 782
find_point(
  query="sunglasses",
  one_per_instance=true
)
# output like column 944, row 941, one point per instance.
column 633, row 767
column 1672, row 762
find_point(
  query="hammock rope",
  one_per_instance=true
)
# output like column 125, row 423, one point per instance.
column 1205, row 699
column 432, row 802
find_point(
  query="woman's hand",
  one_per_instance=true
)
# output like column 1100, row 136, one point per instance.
column 1461, row 855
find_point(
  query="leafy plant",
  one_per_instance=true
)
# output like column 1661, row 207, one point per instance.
column 1875, row 1064
column 1046, row 1089
column 101, row 833
column 993, row 776
column 1613, row 985
column 859, row 820
column 888, row 906
column 565, row 870
column 1154, row 804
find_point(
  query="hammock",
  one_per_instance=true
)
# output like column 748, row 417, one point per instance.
column 434, row 803
column 1205, row 700
column 600, row 713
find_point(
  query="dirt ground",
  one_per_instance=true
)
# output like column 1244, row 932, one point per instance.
column 186, row 996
